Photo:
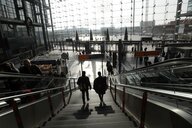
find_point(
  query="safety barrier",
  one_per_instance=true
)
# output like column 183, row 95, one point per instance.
column 36, row 107
column 147, row 110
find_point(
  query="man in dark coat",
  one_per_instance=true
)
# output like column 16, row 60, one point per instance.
column 100, row 86
column 109, row 68
column 84, row 85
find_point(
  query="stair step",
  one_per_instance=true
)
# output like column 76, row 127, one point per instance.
column 95, row 108
column 70, row 117
column 90, row 115
column 116, row 124
column 87, row 120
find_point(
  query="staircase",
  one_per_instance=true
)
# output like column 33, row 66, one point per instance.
column 77, row 115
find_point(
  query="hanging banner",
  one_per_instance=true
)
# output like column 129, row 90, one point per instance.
column 181, row 28
column 189, row 7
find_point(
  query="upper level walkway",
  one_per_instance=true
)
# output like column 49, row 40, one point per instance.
column 75, row 114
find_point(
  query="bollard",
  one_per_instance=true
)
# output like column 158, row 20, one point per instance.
column 70, row 87
column 50, row 103
column 14, row 106
column 115, row 93
column 74, row 84
column 143, row 110
column 63, row 95
column 123, row 100
column 110, row 83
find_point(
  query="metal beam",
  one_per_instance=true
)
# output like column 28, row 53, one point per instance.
column 17, row 9
column 51, row 18
column 17, row 22
column 11, row 21
column 46, row 22
column 34, row 1
column 43, row 26
column 177, row 19
column 34, row 12
column 1, row 32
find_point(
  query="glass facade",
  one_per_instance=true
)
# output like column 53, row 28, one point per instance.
column 23, row 27
column 141, row 17
column 38, row 20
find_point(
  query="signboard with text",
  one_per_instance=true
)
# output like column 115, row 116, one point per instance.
column 90, row 56
column 146, row 53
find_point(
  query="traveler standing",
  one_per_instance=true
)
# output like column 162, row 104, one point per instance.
column 109, row 68
column 100, row 86
column 84, row 85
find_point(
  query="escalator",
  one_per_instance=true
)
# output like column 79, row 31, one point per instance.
column 173, row 74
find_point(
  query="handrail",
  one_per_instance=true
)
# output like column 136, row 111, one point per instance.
column 174, row 61
column 179, row 95
column 144, row 96
column 22, row 91
column 27, row 93
column 66, row 88
column 164, row 63
column 169, row 65
column 169, row 84
column 30, row 93
column 22, row 75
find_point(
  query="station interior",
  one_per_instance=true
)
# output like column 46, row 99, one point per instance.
column 140, row 49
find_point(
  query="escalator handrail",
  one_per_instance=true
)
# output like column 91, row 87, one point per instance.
column 167, row 63
column 30, row 93
column 16, row 75
column 179, row 95
column 22, row 75
column 169, row 84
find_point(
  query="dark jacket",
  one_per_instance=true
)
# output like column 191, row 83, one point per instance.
column 84, row 83
column 33, row 69
column 100, row 85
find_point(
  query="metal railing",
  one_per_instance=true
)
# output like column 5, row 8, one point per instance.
column 144, row 92
column 35, row 94
column 162, row 73
column 171, row 63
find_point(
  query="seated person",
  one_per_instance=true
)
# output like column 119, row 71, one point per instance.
column 9, row 67
column 29, row 68
column 11, row 83
column 32, row 69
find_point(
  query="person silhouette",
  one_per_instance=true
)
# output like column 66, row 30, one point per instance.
column 84, row 85
column 100, row 86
